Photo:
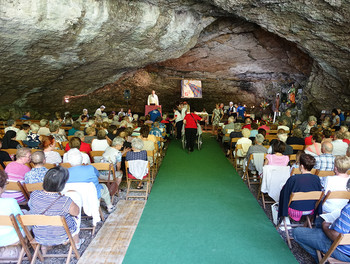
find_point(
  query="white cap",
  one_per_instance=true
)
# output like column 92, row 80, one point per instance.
column 102, row 106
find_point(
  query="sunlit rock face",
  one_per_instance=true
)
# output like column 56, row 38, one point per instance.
column 94, row 50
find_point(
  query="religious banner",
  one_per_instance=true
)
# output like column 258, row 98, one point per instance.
column 191, row 89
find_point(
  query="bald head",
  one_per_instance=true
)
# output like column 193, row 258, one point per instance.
column 38, row 158
column 327, row 147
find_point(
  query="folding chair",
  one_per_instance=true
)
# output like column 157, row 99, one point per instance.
column 66, row 165
column 111, row 171
column 49, row 166
column 297, row 171
column 254, row 178
column 8, row 162
column 323, row 173
column 297, row 147
column 130, row 179
column 44, row 220
column 16, row 186
column 292, row 157
column 237, row 159
column 342, row 239
column 270, row 137
column 233, row 140
column 94, row 154
column 153, row 167
column 11, row 152
column 28, row 188
column 302, row 196
column 10, row 220
column 64, row 144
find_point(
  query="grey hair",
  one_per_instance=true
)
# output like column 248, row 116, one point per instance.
column 231, row 119
column 79, row 134
column 137, row 143
column 118, row 141
column 53, row 127
column 74, row 156
column 34, row 127
column 43, row 122
column 259, row 138
column 22, row 152
column 312, row 118
column 237, row 127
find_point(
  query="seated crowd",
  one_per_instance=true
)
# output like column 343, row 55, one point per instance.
column 309, row 148
column 40, row 150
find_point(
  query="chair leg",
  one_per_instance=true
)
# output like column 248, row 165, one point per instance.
column 21, row 256
column 69, row 254
column 263, row 200
column 287, row 233
column 36, row 252
column 128, row 189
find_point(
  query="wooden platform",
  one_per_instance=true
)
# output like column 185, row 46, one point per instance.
column 113, row 239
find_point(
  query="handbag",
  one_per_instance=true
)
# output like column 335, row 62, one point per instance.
column 112, row 186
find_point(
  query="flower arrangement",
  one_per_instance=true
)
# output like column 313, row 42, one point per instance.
column 264, row 104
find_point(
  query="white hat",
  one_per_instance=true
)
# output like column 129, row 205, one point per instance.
column 102, row 106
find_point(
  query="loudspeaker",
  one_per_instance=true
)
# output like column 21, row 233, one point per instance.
column 127, row 94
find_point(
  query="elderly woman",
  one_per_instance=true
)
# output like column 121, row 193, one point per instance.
column 136, row 154
column 296, row 138
column 114, row 156
column 8, row 206
column 75, row 128
column 91, row 134
column 306, row 126
column 51, row 202
column 337, row 183
column 257, row 148
column 16, row 171
column 190, row 123
column 48, row 144
column 148, row 144
column 33, row 139
column 9, row 140
column 245, row 142
column 55, row 132
column 282, row 136
column 101, row 142
column 75, row 143
column 277, row 159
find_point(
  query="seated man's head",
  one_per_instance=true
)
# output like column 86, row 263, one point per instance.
column 237, row 127
column 55, row 179
column 246, row 132
column 231, row 119
column 327, row 147
column 101, row 134
column 75, row 142
column 91, row 131
column 80, row 134
column 38, row 159
column 341, row 164
column 307, row 162
column 338, row 135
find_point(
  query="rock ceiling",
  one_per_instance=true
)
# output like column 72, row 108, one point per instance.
column 245, row 50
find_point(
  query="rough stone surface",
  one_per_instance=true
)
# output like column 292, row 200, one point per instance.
column 86, row 48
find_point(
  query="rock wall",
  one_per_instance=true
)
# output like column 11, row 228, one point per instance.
column 87, row 49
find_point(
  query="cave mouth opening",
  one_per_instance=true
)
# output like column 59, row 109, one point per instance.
column 236, row 61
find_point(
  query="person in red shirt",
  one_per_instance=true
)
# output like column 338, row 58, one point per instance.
column 247, row 123
column 190, row 122
column 308, row 140
column 84, row 147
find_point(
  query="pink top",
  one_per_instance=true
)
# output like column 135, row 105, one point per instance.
column 277, row 160
column 15, row 172
column 265, row 127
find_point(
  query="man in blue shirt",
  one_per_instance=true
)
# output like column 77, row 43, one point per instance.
column 154, row 114
column 241, row 111
column 312, row 239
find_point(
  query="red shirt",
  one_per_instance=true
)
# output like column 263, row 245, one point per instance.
column 249, row 126
column 84, row 147
column 346, row 140
column 190, row 120
column 308, row 141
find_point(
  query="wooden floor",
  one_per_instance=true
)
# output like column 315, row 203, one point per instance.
column 113, row 239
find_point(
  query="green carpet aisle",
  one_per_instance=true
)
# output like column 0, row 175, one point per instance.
column 200, row 211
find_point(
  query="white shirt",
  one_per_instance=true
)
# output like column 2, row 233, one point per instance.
column 11, row 128
column 335, row 183
column 98, row 112
column 21, row 135
column 339, row 147
column 153, row 99
column 99, row 145
column 44, row 131
column 86, row 158
column 53, row 157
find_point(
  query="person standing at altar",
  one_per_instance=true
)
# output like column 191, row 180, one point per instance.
column 99, row 111
column 153, row 98
column 231, row 110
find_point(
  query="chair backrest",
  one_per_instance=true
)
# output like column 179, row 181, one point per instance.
column 96, row 153
column 304, row 196
column 297, row 171
column 292, row 157
column 297, row 147
column 35, row 150
column 8, row 162
column 49, row 166
column 101, row 166
column 323, row 173
column 69, row 137
column 127, row 167
column 270, row 137
column 342, row 239
column 60, row 151
column 234, row 140
column 10, row 151
column 31, row 187
column 271, row 131
column 337, row 195
column 64, row 143
column 66, row 165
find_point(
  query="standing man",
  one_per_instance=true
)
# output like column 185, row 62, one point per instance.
column 153, row 99
column 241, row 111
column 231, row 110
